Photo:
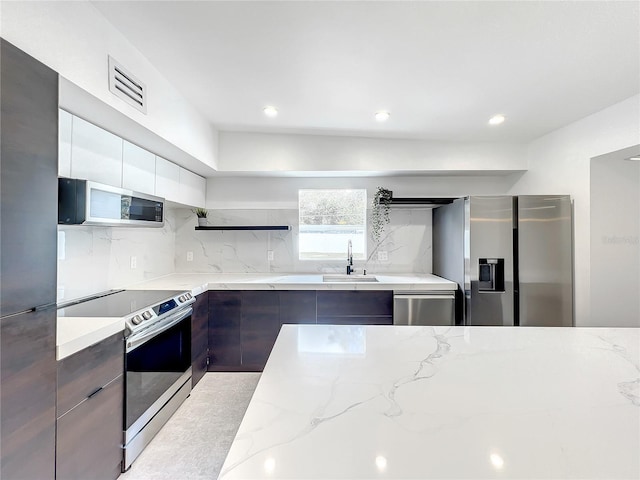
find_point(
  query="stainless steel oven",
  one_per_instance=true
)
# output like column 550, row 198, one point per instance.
column 157, row 371
column 157, row 357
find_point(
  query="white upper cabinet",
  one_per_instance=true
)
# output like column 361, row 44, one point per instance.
column 192, row 188
column 88, row 152
column 65, row 120
column 138, row 169
column 167, row 179
column 95, row 154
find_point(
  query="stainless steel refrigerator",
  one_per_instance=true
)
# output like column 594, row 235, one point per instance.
column 511, row 256
column 28, row 225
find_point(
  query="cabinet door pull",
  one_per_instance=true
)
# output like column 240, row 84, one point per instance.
column 93, row 394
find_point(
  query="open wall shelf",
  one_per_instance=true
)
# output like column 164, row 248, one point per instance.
column 427, row 201
column 245, row 227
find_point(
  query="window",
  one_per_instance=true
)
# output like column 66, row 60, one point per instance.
column 328, row 220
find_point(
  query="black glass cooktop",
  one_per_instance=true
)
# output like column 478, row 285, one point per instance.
column 119, row 304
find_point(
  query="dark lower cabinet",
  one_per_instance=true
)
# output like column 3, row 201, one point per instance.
column 259, row 327
column 224, row 331
column 28, row 400
column 298, row 306
column 356, row 320
column 89, row 436
column 244, row 325
column 342, row 303
column 199, row 337
column 90, row 412
column 355, row 307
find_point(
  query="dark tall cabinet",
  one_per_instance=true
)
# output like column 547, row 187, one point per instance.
column 28, row 234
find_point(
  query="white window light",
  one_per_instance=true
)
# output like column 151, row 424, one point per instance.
column 328, row 219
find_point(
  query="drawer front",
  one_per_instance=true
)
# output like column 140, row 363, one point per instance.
column 350, row 302
column 84, row 372
column 89, row 437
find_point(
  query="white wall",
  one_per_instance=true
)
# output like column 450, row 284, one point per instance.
column 260, row 152
column 615, row 239
column 74, row 39
column 560, row 163
column 282, row 192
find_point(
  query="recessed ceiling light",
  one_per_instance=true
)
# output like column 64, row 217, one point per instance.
column 496, row 120
column 382, row 116
column 270, row 111
column 635, row 158
column 496, row 460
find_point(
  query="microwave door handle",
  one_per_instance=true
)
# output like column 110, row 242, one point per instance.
column 135, row 341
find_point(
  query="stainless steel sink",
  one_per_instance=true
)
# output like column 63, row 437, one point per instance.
column 349, row 278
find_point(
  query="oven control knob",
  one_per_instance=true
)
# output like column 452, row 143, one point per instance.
column 136, row 320
column 189, row 296
column 181, row 298
column 147, row 315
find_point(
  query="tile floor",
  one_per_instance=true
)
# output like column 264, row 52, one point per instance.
column 194, row 442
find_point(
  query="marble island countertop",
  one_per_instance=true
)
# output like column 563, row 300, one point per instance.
column 354, row 402
column 200, row 282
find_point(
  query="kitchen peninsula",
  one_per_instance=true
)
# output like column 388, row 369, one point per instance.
column 355, row 402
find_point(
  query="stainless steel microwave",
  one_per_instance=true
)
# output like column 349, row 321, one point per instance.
column 83, row 202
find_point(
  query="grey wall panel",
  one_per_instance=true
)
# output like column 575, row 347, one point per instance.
column 448, row 248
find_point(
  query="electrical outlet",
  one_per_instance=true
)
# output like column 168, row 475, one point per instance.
column 189, row 256
column 270, row 255
column 383, row 256
column 134, row 262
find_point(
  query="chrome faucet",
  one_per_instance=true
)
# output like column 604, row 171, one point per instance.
column 349, row 258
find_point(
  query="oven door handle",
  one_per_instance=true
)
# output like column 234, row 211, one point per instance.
column 135, row 341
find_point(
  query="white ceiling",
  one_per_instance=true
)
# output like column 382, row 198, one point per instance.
column 441, row 68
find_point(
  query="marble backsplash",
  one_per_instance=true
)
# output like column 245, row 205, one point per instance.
column 95, row 259
column 407, row 241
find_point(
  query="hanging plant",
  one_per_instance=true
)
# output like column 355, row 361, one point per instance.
column 380, row 212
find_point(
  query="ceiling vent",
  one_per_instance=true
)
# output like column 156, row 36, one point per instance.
column 126, row 86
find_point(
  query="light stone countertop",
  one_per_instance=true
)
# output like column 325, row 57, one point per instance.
column 77, row 333
column 200, row 282
column 400, row 402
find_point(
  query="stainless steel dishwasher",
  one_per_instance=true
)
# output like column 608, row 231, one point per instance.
column 424, row 308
